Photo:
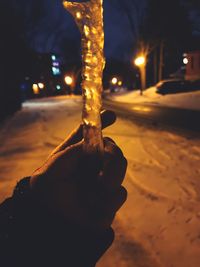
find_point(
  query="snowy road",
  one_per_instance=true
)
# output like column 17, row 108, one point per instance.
column 170, row 117
column 159, row 225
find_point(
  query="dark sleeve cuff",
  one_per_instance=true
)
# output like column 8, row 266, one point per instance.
column 30, row 235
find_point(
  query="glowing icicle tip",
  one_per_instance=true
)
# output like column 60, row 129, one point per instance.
column 89, row 19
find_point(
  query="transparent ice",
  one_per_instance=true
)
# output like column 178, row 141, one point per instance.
column 89, row 18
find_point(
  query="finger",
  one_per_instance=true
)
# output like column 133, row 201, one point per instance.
column 74, row 137
column 102, row 241
column 108, row 139
column 114, row 173
column 108, row 117
column 114, row 166
column 106, row 204
column 115, row 200
column 63, row 163
column 111, row 148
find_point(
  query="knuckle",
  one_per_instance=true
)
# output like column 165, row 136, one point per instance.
column 123, row 194
column 108, row 140
column 113, row 149
column 124, row 163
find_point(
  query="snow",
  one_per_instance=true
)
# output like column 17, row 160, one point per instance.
column 190, row 100
column 159, row 226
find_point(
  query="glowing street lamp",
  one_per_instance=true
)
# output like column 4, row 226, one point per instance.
column 140, row 62
column 114, row 81
column 120, row 83
column 41, row 85
column 185, row 61
column 68, row 80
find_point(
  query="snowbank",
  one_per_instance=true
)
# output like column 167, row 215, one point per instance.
column 189, row 100
column 160, row 223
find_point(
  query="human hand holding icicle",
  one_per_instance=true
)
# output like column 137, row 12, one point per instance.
column 62, row 214
column 83, row 189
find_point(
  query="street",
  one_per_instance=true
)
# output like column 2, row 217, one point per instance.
column 159, row 226
column 173, row 118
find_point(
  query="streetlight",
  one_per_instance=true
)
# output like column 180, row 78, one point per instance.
column 69, row 81
column 140, row 62
column 120, row 83
column 41, row 85
column 185, row 60
column 114, row 81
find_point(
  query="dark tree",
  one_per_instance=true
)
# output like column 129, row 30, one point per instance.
column 19, row 20
column 167, row 30
column 12, row 49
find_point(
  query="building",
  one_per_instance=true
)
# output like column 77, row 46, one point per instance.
column 192, row 62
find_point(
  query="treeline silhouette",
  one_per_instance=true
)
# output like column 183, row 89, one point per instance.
column 14, row 58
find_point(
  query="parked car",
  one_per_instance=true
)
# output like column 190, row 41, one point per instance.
column 173, row 86
column 195, row 85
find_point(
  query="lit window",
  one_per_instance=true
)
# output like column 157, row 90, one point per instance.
column 53, row 57
column 36, row 89
column 56, row 71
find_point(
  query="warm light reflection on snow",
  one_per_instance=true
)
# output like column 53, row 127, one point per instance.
column 145, row 109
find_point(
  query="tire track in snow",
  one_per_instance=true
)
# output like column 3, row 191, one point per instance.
column 126, row 251
column 146, row 191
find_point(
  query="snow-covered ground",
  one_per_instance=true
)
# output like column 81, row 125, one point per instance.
column 190, row 100
column 159, row 226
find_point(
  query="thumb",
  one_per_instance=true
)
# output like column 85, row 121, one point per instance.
column 108, row 117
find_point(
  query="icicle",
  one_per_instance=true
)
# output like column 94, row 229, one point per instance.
column 89, row 18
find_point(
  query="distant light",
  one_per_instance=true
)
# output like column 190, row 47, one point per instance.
column 114, row 80
column 120, row 83
column 145, row 109
column 41, row 85
column 56, row 64
column 23, row 86
column 78, row 15
column 58, row 87
column 53, row 57
column 68, row 80
column 56, row 71
column 139, row 61
column 185, row 61
column 27, row 78
column 36, row 89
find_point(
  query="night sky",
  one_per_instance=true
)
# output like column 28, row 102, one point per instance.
column 50, row 28
column 49, row 25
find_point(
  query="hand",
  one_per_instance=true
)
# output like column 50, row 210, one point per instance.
column 83, row 189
